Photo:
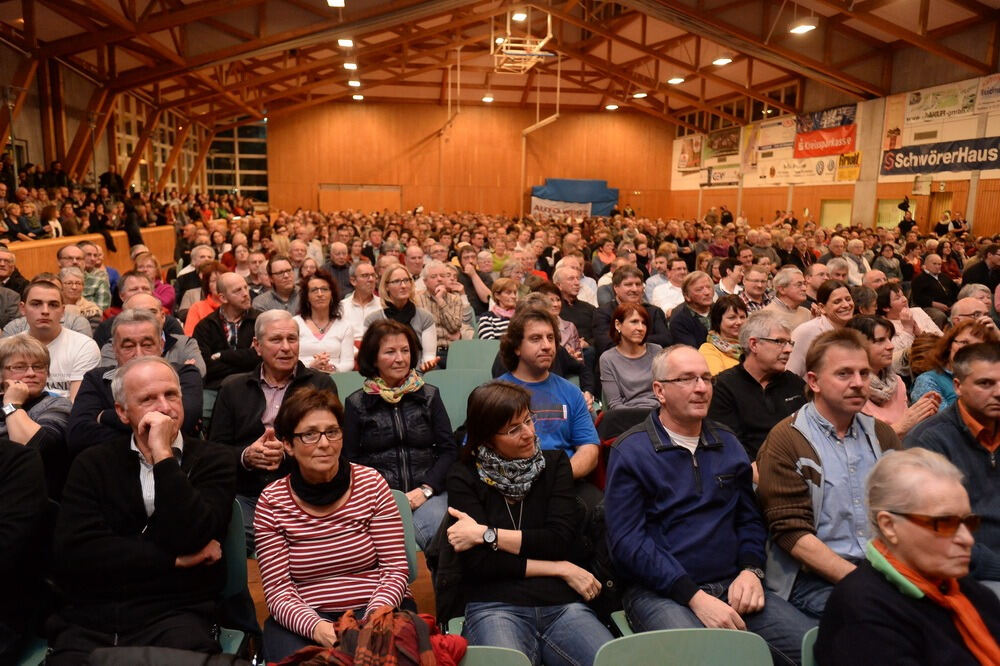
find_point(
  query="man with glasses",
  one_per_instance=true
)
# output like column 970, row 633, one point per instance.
column 812, row 470
column 971, row 308
column 692, row 557
column 284, row 293
column 361, row 302
column 790, row 294
column 754, row 292
column 967, row 434
column 752, row 397
column 136, row 332
column 248, row 403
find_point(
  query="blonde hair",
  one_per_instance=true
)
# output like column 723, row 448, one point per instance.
column 891, row 486
column 22, row 345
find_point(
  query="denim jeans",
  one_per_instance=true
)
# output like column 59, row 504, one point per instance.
column 810, row 593
column 569, row 634
column 280, row 642
column 427, row 518
column 778, row 623
column 248, row 506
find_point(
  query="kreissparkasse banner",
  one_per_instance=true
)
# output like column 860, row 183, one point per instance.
column 968, row 155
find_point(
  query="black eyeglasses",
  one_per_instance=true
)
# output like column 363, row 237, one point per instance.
column 781, row 342
column 943, row 525
column 311, row 437
column 689, row 382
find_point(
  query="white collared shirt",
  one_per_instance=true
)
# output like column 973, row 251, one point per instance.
column 146, row 480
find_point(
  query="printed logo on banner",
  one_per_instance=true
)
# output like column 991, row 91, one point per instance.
column 690, row 155
column 834, row 141
column 969, row 155
column 988, row 96
column 835, row 117
column 952, row 100
column 777, row 134
column 549, row 208
column 722, row 143
column 849, row 166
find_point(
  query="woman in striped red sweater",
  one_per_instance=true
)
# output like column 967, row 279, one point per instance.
column 329, row 535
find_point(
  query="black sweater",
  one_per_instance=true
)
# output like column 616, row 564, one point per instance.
column 115, row 565
column 549, row 525
column 869, row 621
column 210, row 334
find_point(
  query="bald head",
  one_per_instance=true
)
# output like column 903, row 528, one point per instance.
column 338, row 254
column 968, row 309
column 874, row 279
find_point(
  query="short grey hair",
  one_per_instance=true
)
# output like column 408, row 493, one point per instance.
column 204, row 247
column 691, row 278
column 268, row 317
column 891, row 486
column 118, row 382
column 838, row 263
column 353, row 270
column 558, row 273
column 784, row 277
column 433, row 264
column 661, row 360
column 759, row 325
column 126, row 317
column 70, row 271
column 968, row 291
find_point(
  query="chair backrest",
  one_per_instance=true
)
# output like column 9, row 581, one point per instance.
column 455, row 387
column 208, row 403
column 234, row 553
column 403, row 504
column 472, row 354
column 347, row 383
column 484, row 655
column 808, row 645
column 719, row 647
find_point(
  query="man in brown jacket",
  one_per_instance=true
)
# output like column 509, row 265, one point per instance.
column 813, row 467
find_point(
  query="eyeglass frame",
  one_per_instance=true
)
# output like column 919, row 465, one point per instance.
column 932, row 523
column 689, row 382
column 778, row 341
column 37, row 368
column 331, row 435
column 516, row 430
column 399, row 282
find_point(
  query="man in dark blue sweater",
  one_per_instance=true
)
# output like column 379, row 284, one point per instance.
column 967, row 434
column 684, row 529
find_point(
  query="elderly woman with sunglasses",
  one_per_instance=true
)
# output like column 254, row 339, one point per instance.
column 912, row 601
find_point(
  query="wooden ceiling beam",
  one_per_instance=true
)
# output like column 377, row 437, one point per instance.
column 175, row 152
column 638, row 106
column 205, row 143
column 21, row 84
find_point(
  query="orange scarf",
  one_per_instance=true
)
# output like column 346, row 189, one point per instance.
column 967, row 620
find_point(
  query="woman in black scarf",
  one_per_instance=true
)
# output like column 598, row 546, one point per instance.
column 396, row 293
column 515, row 533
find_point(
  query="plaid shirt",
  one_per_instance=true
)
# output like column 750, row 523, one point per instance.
column 754, row 306
column 449, row 319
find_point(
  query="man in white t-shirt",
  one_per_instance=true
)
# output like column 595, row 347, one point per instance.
column 71, row 354
column 361, row 302
column 669, row 295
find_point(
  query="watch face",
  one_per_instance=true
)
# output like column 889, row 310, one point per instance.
column 490, row 535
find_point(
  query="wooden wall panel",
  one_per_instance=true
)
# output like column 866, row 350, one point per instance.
column 33, row 257
column 987, row 218
column 958, row 188
column 473, row 163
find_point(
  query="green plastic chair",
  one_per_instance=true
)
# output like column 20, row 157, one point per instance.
column 208, row 404
column 234, row 552
column 808, row 647
column 456, row 624
column 403, row 504
column 620, row 620
column 472, row 354
column 484, row 655
column 719, row 647
column 347, row 383
column 455, row 387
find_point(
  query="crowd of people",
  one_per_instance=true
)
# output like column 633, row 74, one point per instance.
column 770, row 429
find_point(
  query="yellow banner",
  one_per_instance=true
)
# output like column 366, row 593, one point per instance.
column 849, row 166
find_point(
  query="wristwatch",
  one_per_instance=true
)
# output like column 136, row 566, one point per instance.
column 755, row 571
column 490, row 537
column 427, row 491
column 10, row 407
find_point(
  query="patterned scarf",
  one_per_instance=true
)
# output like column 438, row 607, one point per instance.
column 730, row 349
column 513, row 478
column 883, row 386
column 393, row 394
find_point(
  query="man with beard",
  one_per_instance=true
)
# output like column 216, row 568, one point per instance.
column 628, row 288
column 812, row 470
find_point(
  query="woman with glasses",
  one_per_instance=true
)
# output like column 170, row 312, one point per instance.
column 516, row 527
column 326, row 339
column 912, row 600
column 397, row 424
column 722, row 347
column 329, row 536
column 837, row 307
column 939, row 378
column 33, row 417
column 396, row 293
column 72, row 280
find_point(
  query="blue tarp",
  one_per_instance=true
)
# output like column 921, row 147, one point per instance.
column 596, row 192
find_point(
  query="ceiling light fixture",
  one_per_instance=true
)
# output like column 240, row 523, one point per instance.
column 350, row 65
column 519, row 16
column 639, row 95
column 488, row 98
column 357, row 98
column 498, row 40
column 345, row 43
column 675, row 80
column 803, row 25
column 335, row 3
column 354, row 83
column 611, row 107
column 722, row 60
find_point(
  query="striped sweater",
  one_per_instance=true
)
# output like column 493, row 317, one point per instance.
column 352, row 558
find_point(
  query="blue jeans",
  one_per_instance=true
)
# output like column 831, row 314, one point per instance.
column 569, row 634
column 778, row 623
column 810, row 593
column 248, row 506
column 427, row 518
column 280, row 642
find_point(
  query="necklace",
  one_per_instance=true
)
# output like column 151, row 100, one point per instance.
column 322, row 331
column 520, row 514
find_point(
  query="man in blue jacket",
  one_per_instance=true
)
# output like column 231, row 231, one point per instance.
column 968, row 434
column 684, row 530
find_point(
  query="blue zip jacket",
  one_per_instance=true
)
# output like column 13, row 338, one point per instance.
column 676, row 521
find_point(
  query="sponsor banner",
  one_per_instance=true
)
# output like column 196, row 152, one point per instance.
column 835, row 141
column 549, row 208
column 953, row 100
column 721, row 143
column 988, row 95
column 892, row 129
column 728, row 174
column 690, row 155
column 969, row 155
column 811, row 170
column 849, row 166
column 776, row 134
column 819, row 120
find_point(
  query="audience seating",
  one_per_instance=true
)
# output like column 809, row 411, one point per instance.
column 455, row 387
column 472, row 354
column 409, row 535
column 34, row 653
column 455, row 625
column 620, row 620
column 718, row 647
column 208, row 399
column 347, row 383
column 808, row 643
column 234, row 555
column 481, row 655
